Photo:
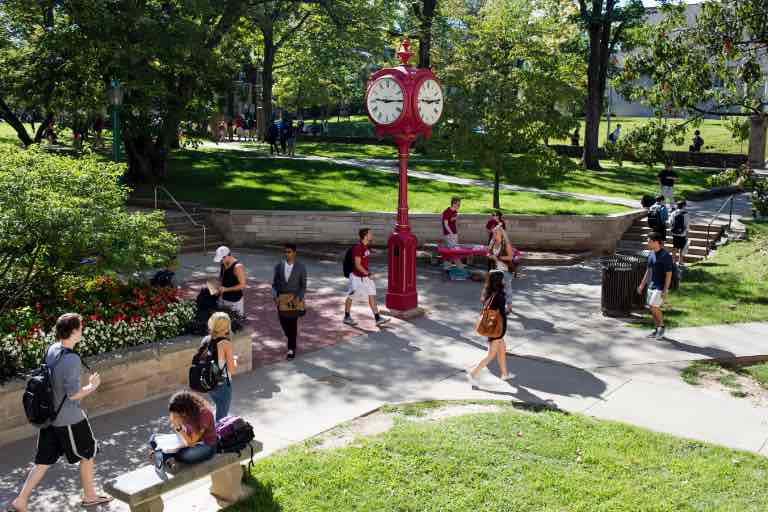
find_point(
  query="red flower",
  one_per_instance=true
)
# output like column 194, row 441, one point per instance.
column 95, row 318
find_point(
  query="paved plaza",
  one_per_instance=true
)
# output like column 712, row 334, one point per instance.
column 563, row 352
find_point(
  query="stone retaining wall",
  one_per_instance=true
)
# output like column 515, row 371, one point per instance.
column 128, row 377
column 252, row 228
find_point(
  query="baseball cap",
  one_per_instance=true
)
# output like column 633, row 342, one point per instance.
column 220, row 253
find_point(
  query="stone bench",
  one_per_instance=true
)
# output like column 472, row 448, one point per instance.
column 142, row 489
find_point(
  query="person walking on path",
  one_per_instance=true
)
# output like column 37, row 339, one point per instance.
column 272, row 135
column 678, row 223
column 289, row 284
column 192, row 419
column 231, row 279
column 613, row 138
column 291, row 137
column 667, row 178
column 69, row 433
column 361, row 280
column 658, row 278
column 219, row 342
column 497, row 348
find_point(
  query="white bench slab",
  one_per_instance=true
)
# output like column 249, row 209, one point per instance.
column 142, row 489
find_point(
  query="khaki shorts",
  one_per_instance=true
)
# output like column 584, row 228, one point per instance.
column 654, row 298
column 361, row 287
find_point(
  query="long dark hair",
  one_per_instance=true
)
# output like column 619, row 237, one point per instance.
column 494, row 283
column 188, row 406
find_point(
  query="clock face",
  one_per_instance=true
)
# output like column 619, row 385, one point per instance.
column 430, row 101
column 385, row 100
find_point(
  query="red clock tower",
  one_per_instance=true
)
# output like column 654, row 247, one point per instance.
column 403, row 102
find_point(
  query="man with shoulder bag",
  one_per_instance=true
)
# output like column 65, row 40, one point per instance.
column 66, row 430
column 289, row 284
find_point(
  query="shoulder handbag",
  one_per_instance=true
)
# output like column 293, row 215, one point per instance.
column 490, row 324
column 290, row 306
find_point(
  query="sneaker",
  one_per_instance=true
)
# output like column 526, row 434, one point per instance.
column 381, row 321
column 349, row 320
column 472, row 382
column 660, row 333
column 160, row 466
column 507, row 377
column 291, row 354
column 653, row 334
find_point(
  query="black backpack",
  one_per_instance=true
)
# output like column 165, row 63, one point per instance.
column 162, row 278
column 349, row 262
column 654, row 218
column 38, row 398
column 203, row 374
column 678, row 225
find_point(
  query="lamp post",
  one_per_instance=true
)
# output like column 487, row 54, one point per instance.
column 116, row 100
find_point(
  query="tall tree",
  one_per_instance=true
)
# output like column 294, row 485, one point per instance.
column 425, row 12
column 709, row 67
column 607, row 23
column 511, row 85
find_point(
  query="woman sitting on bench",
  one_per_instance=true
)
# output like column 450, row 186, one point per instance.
column 192, row 419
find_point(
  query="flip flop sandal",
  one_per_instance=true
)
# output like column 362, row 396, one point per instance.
column 100, row 500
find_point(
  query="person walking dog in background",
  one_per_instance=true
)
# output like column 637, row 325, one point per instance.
column 69, row 433
column 231, row 279
column 289, row 284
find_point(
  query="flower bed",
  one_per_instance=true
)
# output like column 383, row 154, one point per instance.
column 116, row 315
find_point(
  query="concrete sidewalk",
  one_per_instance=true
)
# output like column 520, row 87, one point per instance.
column 563, row 353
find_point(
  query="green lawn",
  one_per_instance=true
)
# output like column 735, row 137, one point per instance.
column 234, row 179
column 510, row 461
column 730, row 287
column 717, row 138
column 630, row 181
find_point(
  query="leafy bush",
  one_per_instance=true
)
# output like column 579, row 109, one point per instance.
column 116, row 315
column 63, row 217
column 746, row 178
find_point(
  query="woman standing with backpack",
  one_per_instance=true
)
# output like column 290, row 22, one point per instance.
column 220, row 347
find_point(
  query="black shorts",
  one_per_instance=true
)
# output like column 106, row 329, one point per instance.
column 678, row 242
column 75, row 441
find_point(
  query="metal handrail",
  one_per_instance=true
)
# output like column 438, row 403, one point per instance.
column 184, row 211
column 714, row 217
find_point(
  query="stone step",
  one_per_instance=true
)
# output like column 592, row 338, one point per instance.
column 692, row 240
column 190, row 230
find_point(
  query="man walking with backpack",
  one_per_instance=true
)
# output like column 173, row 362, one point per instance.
column 678, row 222
column 67, row 432
column 667, row 178
column 658, row 216
column 360, row 278
column 658, row 277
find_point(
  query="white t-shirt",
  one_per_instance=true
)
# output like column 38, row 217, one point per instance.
column 288, row 270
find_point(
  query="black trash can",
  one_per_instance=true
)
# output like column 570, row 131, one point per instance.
column 622, row 274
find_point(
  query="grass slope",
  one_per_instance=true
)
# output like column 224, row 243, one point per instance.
column 557, row 462
column 236, row 179
column 731, row 287
column 717, row 137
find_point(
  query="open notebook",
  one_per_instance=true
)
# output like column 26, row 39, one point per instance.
column 169, row 443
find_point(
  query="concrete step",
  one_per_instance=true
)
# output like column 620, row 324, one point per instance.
column 189, row 230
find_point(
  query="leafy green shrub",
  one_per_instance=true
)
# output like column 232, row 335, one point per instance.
column 64, row 217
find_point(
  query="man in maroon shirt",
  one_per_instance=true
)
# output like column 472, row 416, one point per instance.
column 450, row 230
column 361, row 280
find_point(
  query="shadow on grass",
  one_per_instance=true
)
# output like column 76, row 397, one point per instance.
column 262, row 500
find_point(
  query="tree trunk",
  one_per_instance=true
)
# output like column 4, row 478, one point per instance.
column 757, row 132
column 594, row 102
column 11, row 118
column 425, row 13
column 41, row 129
column 266, row 78
column 497, row 186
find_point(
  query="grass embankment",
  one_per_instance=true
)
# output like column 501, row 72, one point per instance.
column 510, row 460
column 235, row 179
column 717, row 137
column 730, row 287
